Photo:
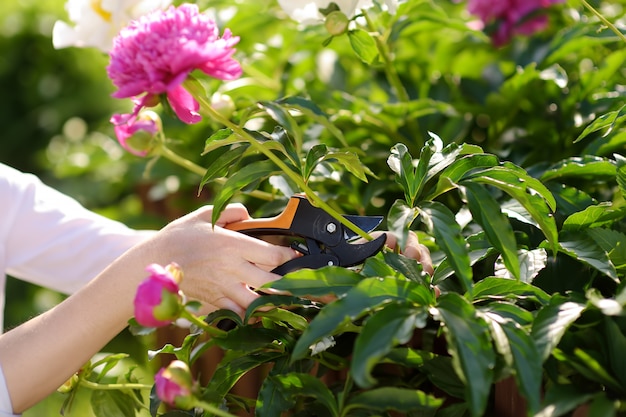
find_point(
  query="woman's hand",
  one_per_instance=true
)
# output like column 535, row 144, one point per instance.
column 221, row 267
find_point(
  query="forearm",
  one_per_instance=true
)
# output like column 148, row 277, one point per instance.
column 38, row 356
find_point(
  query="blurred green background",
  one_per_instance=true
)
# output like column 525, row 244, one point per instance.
column 52, row 102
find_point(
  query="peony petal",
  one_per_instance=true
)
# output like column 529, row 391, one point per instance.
column 184, row 105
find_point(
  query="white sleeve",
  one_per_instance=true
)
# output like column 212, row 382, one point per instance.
column 50, row 239
column 6, row 408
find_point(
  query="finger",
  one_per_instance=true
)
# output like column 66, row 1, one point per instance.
column 233, row 213
column 257, row 251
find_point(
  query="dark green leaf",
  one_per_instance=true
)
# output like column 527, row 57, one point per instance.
column 398, row 399
column 486, row 212
column 535, row 198
column 584, row 249
column 284, row 119
column 561, row 399
column 296, row 385
column 616, row 346
column 470, row 347
column 453, row 173
column 313, row 157
column 588, row 167
column 317, row 282
column 401, row 163
column 441, row 223
column 495, row 288
column 109, row 403
column 393, row 325
column 408, row 267
column 551, row 323
column 220, row 166
column 239, row 180
column 359, row 301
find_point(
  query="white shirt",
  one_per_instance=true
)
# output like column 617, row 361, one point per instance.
column 49, row 239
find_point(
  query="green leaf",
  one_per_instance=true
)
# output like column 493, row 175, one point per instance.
column 364, row 45
column 239, row 180
column 229, row 371
column 351, row 162
column 594, row 216
column 616, row 346
column 552, row 322
column 108, row 403
column 359, row 301
column 284, row 119
column 318, row 282
column 535, row 198
column 441, row 223
column 401, row 163
column 408, row 267
column 525, row 359
column 399, row 220
column 393, row 325
column 313, row 157
column 222, row 137
column 470, row 346
column 620, row 161
column 561, row 399
column 393, row 398
column 486, row 212
column 498, row 288
column 296, row 385
column 605, row 122
column 531, row 263
column 584, row 249
column 587, row 167
column 220, row 166
column 459, row 168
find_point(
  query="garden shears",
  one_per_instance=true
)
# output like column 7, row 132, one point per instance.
column 318, row 237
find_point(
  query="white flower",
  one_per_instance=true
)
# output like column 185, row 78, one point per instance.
column 307, row 11
column 97, row 22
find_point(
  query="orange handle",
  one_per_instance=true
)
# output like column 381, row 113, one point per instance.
column 282, row 221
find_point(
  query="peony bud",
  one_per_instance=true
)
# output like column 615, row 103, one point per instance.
column 158, row 300
column 68, row 385
column 223, row 104
column 336, row 23
column 136, row 133
column 174, row 385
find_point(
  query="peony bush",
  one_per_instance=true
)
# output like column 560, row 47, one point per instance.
column 494, row 130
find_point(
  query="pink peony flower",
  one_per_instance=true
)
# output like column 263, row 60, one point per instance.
column 511, row 17
column 158, row 300
column 174, row 384
column 155, row 54
column 136, row 133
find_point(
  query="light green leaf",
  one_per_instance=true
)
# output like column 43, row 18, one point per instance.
column 531, row 263
column 108, row 403
column 584, row 249
column 605, row 122
column 588, row 167
column 399, row 220
column 364, row 45
column 318, row 282
column 498, row 288
column 292, row 386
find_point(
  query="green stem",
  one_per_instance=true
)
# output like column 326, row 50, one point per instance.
column 392, row 74
column 212, row 331
column 315, row 200
column 603, row 19
column 111, row 387
column 212, row 409
column 197, row 169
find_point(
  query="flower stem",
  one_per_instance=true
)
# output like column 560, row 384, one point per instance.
column 111, row 387
column 197, row 169
column 212, row 409
column 315, row 200
column 603, row 19
column 212, row 331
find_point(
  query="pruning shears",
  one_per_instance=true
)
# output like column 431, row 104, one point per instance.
column 318, row 237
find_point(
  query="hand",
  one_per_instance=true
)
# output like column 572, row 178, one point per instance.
column 221, row 267
column 414, row 250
